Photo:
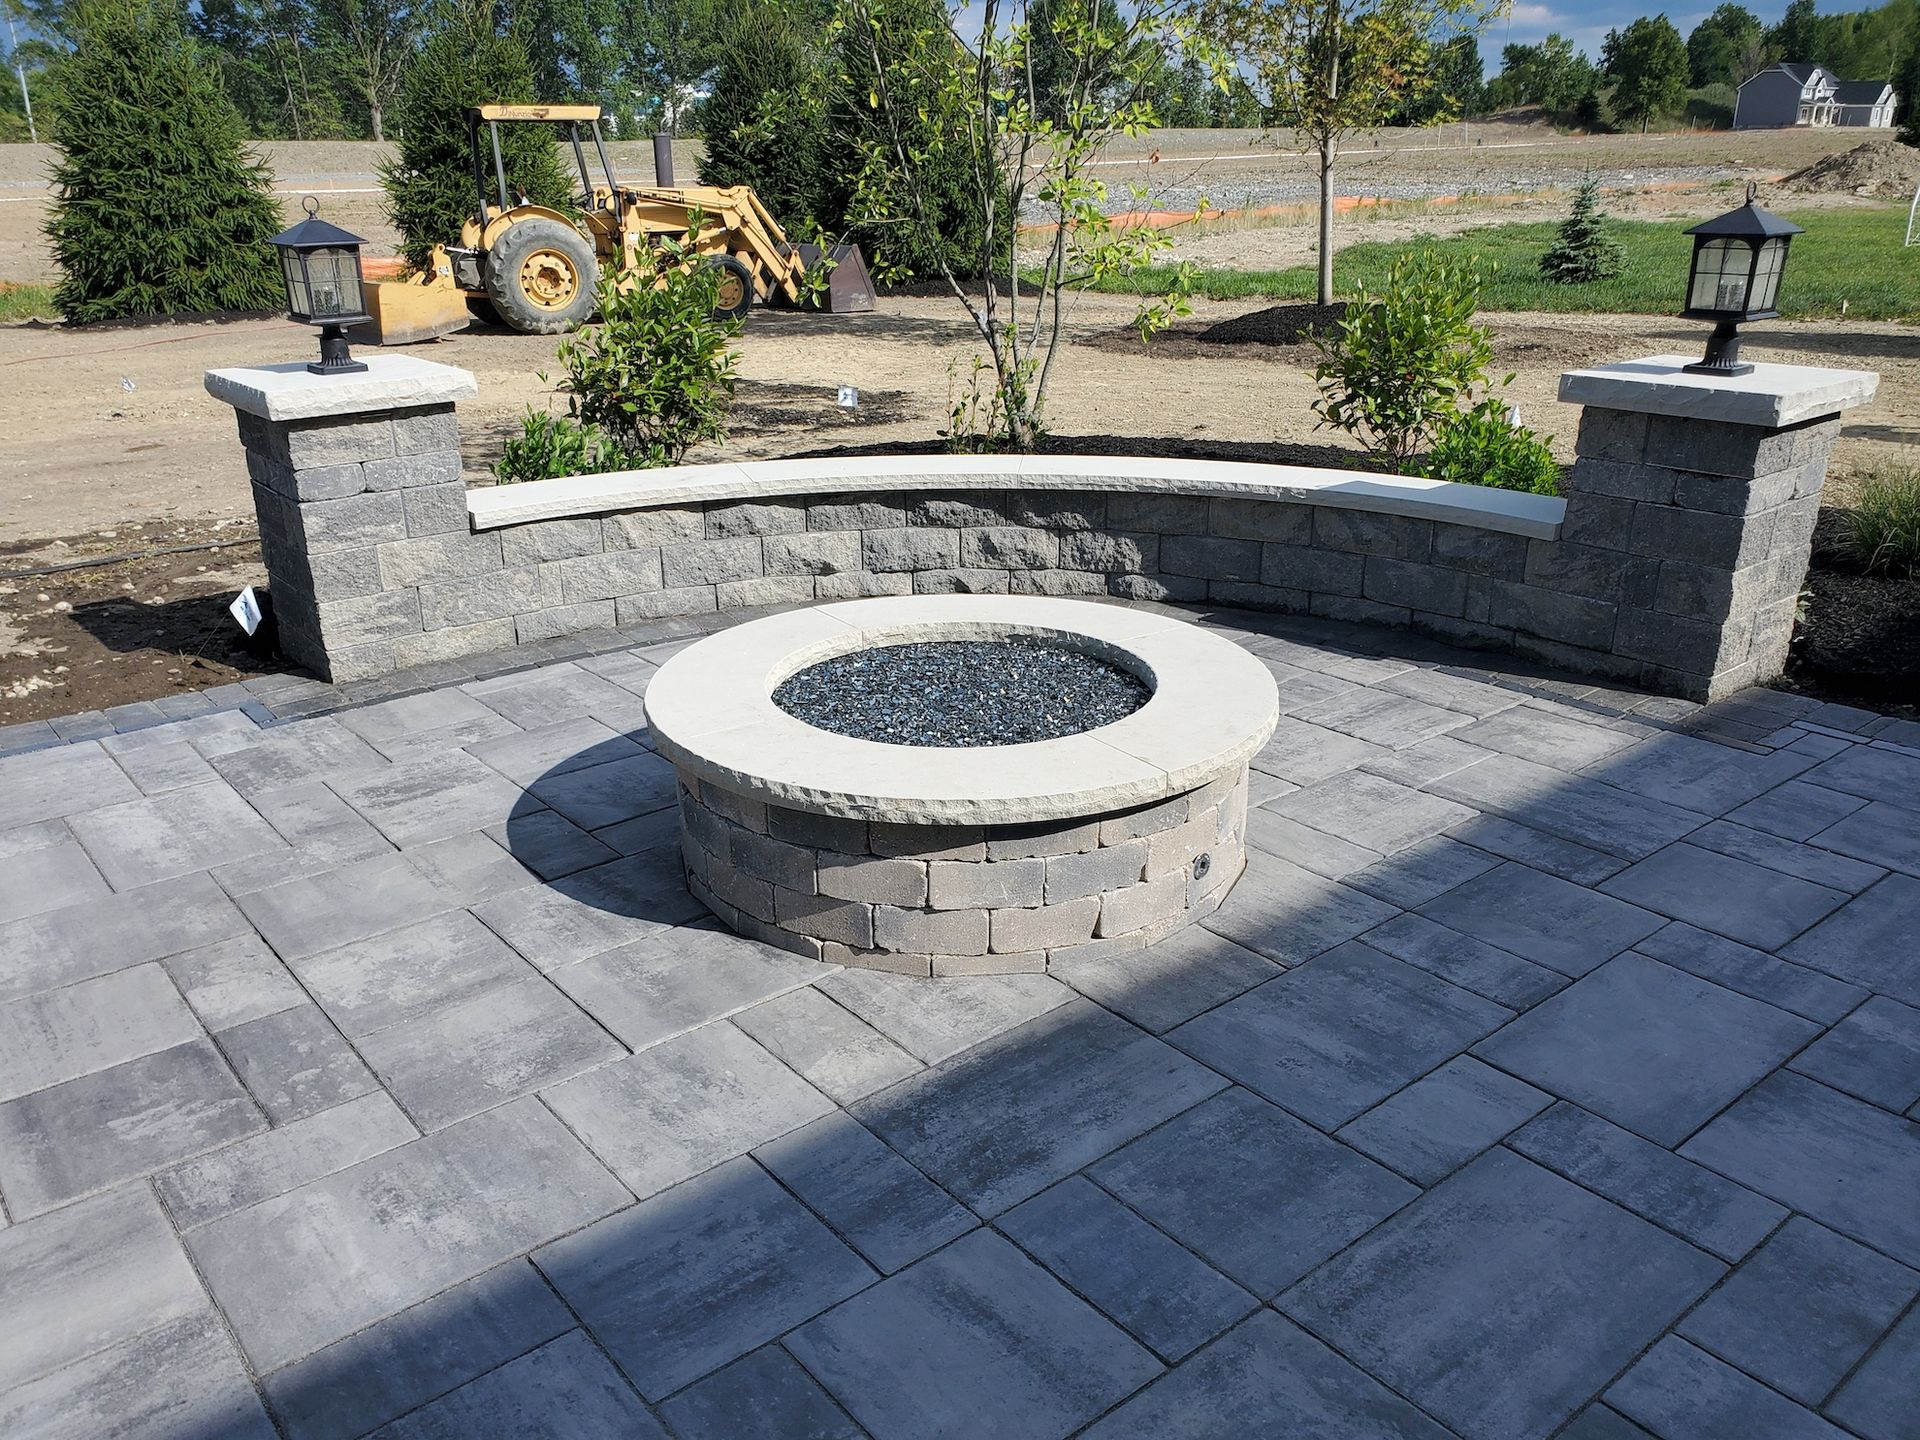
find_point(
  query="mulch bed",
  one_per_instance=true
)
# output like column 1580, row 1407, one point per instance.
column 1860, row 640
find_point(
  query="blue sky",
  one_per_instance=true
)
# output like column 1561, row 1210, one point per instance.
column 1587, row 25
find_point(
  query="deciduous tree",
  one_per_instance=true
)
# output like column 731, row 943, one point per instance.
column 1649, row 69
column 1718, row 47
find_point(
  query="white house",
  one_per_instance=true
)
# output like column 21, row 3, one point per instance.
column 1786, row 95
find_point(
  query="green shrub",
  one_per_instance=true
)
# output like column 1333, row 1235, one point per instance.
column 430, row 183
column 1398, row 364
column 1583, row 251
column 1483, row 446
column 651, row 380
column 1883, row 525
column 550, row 446
column 159, row 208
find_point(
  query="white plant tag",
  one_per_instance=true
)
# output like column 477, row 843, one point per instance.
column 246, row 610
column 849, row 398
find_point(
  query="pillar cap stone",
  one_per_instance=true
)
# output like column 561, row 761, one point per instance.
column 1770, row 396
column 292, row 392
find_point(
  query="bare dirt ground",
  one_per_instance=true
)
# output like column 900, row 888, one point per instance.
column 109, row 445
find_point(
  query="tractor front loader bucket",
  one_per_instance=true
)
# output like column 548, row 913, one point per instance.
column 408, row 310
column 849, row 287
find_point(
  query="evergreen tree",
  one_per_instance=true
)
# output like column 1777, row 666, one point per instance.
column 1718, row 46
column 430, row 185
column 159, row 208
column 1584, row 251
column 1796, row 37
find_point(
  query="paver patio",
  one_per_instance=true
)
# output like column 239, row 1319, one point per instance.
column 1553, row 1070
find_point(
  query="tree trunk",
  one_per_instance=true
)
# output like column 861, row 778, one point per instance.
column 1326, row 220
column 375, row 118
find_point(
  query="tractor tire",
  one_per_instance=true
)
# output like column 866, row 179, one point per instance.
column 540, row 277
column 733, row 293
column 483, row 311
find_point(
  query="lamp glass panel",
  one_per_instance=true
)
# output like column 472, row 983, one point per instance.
column 1766, row 275
column 293, row 267
column 1720, row 277
column 334, row 292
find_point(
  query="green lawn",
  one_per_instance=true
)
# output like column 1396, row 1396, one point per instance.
column 1851, row 257
column 27, row 302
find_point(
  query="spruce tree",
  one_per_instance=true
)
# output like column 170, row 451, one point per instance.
column 430, row 184
column 1583, row 251
column 159, row 208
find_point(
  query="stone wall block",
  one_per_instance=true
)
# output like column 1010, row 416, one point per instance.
column 1042, row 839
column 1009, row 547
column 1158, row 514
column 880, row 880
column 1592, row 573
column 1417, row 587
column 1717, row 447
column 369, row 617
column 454, row 643
column 1704, row 646
column 1620, row 481
column 1011, row 932
column 436, row 558
column 1210, row 557
column 735, row 808
column 961, row 582
column 1671, row 533
column 1612, row 435
column 968, row 885
column 1177, row 848
column 791, row 866
column 648, row 529
column 1029, row 962
column 1057, row 510
column 1139, row 906
column 1261, row 520
column 344, row 665
column 351, row 522
column 767, row 590
column 1603, row 521
column 1480, row 552
column 550, row 540
column 665, row 604
column 325, row 482
column 342, row 574
column 1064, row 583
column 436, row 509
column 861, row 584
column 711, row 562
column 557, row 620
column 927, row 842
column 729, row 519
column 1793, row 527
column 877, row 512
column 1324, row 572
column 406, row 470
column 1144, row 820
column 818, row 832
column 424, row 428
column 966, row 509
column 1363, row 532
column 812, row 552
column 1165, row 588
column 1468, row 634
column 613, row 575
column 748, row 894
column 1727, row 495
column 1246, row 596
column 846, row 922
column 944, row 932
column 909, row 548
column 334, row 440
column 1111, row 867
column 479, row 597
column 1361, row 612
column 1706, row 592
column 1112, row 551
column 1537, row 610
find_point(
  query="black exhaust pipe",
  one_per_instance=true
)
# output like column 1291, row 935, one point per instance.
column 663, row 161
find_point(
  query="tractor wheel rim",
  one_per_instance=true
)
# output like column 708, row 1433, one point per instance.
column 731, row 292
column 548, row 279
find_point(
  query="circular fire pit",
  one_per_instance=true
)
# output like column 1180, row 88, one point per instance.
column 956, row 844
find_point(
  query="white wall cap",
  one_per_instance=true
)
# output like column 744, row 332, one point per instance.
column 1770, row 396
column 1510, row 512
column 292, row 392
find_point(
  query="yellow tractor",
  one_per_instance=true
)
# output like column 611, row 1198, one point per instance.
column 533, row 268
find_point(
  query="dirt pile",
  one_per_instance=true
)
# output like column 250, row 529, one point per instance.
column 1879, row 167
column 1276, row 325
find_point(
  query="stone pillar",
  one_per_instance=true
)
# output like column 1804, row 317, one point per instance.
column 351, row 475
column 1691, row 506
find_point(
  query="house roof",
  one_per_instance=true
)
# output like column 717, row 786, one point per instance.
column 1861, row 92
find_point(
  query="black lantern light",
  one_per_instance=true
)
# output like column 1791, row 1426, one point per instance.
column 321, row 266
column 1737, row 260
